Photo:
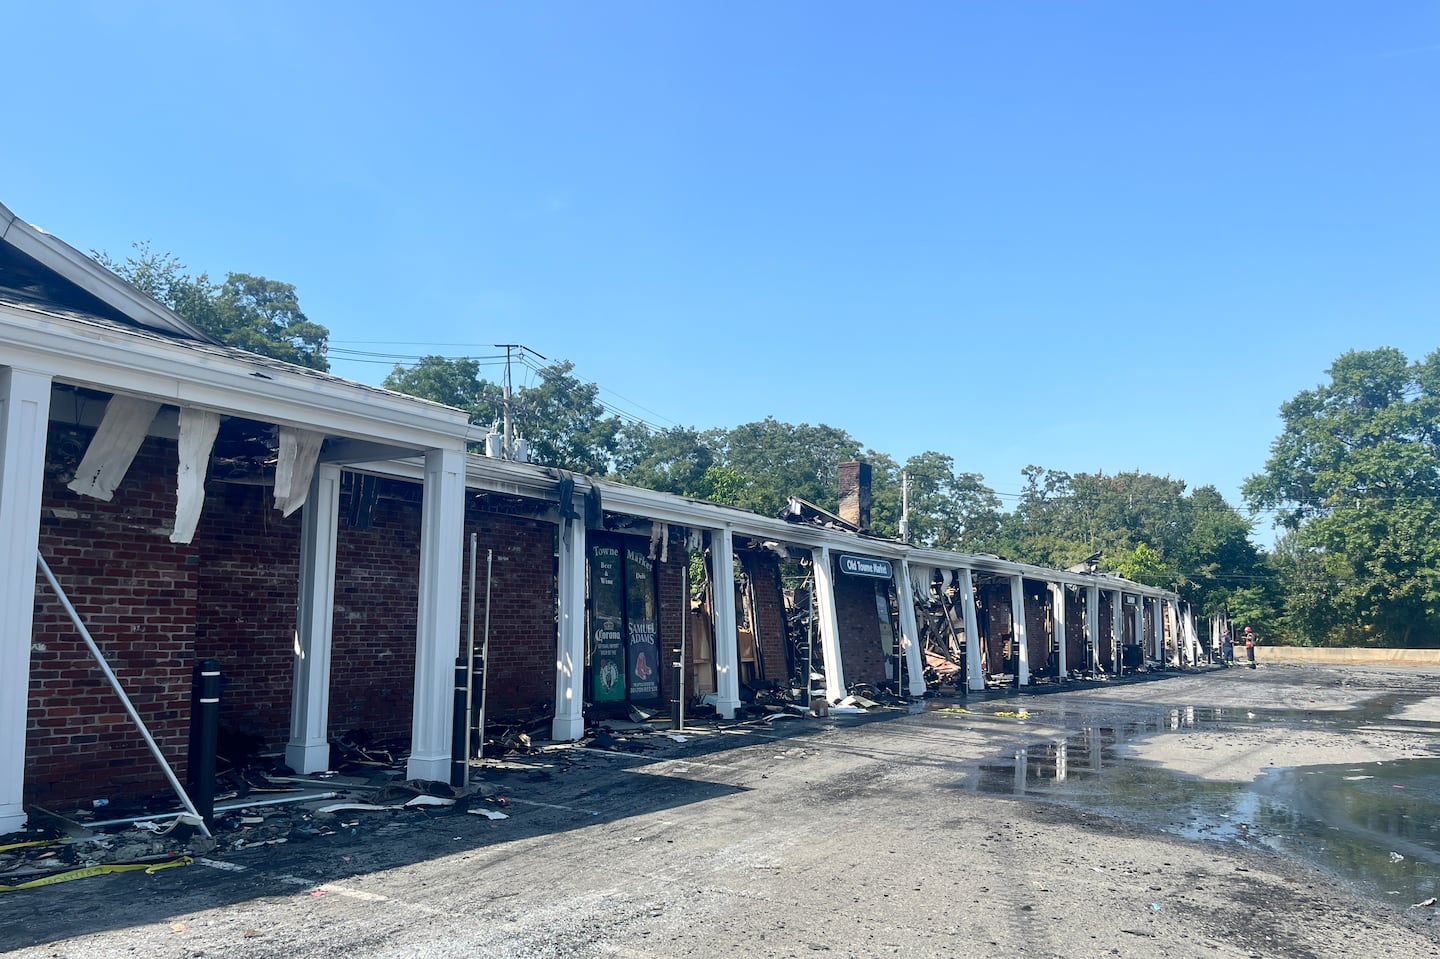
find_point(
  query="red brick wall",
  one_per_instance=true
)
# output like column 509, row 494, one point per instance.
column 521, row 664
column 136, row 593
column 1075, row 629
column 1037, row 624
column 248, row 574
column 864, row 661
column 372, row 654
column 769, row 606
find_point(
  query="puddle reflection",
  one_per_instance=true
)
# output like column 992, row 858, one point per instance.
column 1376, row 824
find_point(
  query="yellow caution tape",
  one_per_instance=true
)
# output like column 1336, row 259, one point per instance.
column 88, row 871
column 1022, row 714
column 26, row 845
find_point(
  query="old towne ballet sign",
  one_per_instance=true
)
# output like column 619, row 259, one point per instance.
column 864, row 566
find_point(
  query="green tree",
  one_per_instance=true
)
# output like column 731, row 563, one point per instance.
column 249, row 312
column 672, row 461
column 454, row 382
column 778, row 460
column 560, row 417
column 1355, row 475
column 948, row 510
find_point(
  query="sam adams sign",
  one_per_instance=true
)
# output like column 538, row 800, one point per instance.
column 864, row 566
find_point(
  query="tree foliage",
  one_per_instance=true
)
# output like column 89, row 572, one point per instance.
column 560, row 417
column 1144, row 527
column 1355, row 477
column 246, row 311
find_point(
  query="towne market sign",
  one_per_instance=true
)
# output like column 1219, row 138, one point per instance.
column 864, row 566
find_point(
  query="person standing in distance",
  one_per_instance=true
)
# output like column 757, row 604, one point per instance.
column 1249, row 647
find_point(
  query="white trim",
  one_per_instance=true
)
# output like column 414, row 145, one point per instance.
column 308, row 750
column 87, row 273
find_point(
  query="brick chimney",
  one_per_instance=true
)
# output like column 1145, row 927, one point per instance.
column 855, row 494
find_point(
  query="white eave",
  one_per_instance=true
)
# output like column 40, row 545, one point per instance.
column 57, row 255
column 109, row 356
column 538, row 482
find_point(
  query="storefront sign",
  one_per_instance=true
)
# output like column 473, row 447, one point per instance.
column 607, row 641
column 865, row 566
column 642, row 624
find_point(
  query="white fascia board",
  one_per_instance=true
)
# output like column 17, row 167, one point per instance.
column 113, row 360
column 535, row 482
column 85, row 272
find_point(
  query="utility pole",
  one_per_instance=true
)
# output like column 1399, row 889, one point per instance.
column 507, row 447
column 904, row 506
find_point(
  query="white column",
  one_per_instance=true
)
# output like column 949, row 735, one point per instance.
column 569, row 722
column 308, row 750
column 1157, row 623
column 909, row 629
column 1117, row 632
column 1057, row 600
column 1092, row 626
column 973, row 666
column 727, row 640
column 1017, row 629
column 835, row 689
column 24, row 417
column 437, row 633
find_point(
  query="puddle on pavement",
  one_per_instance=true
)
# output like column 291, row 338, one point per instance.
column 1376, row 825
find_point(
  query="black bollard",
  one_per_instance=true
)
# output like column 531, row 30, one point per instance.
column 204, row 731
column 459, row 766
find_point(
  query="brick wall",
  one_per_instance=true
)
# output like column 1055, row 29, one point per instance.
column 864, row 661
column 521, row 664
column 1075, row 629
column 248, row 558
column 1037, row 624
column 769, row 604
column 136, row 592
column 377, row 575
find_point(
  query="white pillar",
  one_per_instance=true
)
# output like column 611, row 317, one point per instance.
column 727, row 639
column 569, row 722
column 973, row 666
column 1057, row 600
column 1092, row 626
column 909, row 629
column 835, row 689
column 24, row 418
column 308, row 750
column 437, row 633
column 1017, row 629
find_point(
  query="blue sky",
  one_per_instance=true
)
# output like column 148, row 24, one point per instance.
column 1084, row 235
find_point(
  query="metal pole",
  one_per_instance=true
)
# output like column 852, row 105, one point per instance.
column 684, row 615
column 119, row 691
column 485, row 652
column 204, row 730
column 470, row 654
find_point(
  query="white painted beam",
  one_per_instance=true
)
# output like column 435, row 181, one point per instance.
column 295, row 465
column 727, row 637
column 24, row 415
column 197, row 437
column 113, row 447
column 909, row 630
column 835, row 689
column 1017, row 629
column 437, row 634
column 973, row 665
column 1057, row 600
column 569, row 722
column 308, row 749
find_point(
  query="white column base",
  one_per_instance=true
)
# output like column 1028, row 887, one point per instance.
column 308, row 758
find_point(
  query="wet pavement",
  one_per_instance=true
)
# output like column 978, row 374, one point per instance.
column 1375, row 824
